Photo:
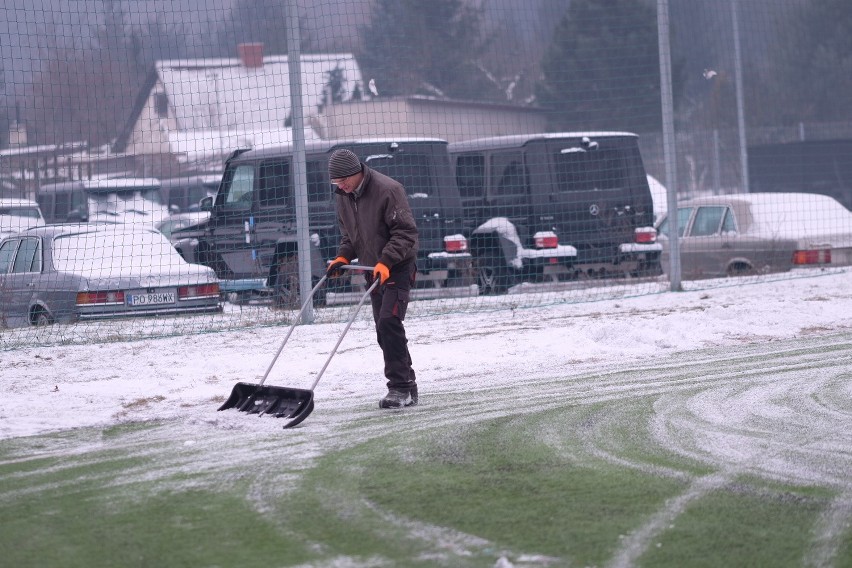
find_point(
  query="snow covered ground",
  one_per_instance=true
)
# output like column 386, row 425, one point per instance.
column 59, row 387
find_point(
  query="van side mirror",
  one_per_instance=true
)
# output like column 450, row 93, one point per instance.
column 206, row 203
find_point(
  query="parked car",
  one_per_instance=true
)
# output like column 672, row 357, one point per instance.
column 114, row 200
column 184, row 194
column 251, row 238
column 66, row 273
column 555, row 206
column 754, row 233
column 177, row 221
column 185, row 246
column 17, row 215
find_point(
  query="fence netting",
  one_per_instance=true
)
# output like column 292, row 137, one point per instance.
column 164, row 166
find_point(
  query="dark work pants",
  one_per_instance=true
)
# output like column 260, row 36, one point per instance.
column 390, row 302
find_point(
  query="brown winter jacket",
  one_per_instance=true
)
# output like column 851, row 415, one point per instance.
column 378, row 225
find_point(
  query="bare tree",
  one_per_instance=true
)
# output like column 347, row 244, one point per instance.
column 83, row 93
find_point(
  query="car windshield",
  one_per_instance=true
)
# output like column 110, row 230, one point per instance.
column 14, row 219
column 113, row 253
column 22, row 211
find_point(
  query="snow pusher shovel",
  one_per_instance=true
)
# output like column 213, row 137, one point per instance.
column 286, row 402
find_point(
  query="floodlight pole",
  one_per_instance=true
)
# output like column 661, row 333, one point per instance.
column 300, row 178
column 738, row 72
column 670, row 156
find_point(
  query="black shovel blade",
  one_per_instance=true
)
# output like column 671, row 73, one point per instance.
column 280, row 402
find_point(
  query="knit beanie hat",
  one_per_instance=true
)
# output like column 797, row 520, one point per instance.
column 342, row 164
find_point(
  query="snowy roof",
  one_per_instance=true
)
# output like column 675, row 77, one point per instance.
column 225, row 94
column 217, row 105
column 513, row 140
column 198, row 144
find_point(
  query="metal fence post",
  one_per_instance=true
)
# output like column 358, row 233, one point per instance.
column 300, row 178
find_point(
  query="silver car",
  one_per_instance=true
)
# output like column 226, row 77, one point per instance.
column 754, row 233
column 67, row 273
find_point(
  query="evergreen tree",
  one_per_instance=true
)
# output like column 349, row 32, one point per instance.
column 816, row 62
column 261, row 21
column 431, row 48
column 602, row 69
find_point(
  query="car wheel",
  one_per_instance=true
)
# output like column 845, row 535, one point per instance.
column 741, row 269
column 492, row 277
column 287, row 282
column 460, row 277
column 238, row 298
column 41, row 318
column 648, row 269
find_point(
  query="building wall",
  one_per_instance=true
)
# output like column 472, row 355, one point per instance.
column 150, row 133
column 417, row 117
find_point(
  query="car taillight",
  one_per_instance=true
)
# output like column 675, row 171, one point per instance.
column 546, row 240
column 816, row 256
column 645, row 235
column 198, row 291
column 100, row 298
column 455, row 243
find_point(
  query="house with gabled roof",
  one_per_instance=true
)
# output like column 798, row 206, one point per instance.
column 195, row 111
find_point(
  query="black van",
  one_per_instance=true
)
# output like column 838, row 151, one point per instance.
column 556, row 206
column 250, row 239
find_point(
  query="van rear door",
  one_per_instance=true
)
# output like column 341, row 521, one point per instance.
column 423, row 168
column 598, row 192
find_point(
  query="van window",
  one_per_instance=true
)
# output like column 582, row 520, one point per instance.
column 470, row 176
column 318, row 188
column 580, row 169
column 45, row 203
column 62, row 205
column 509, row 176
column 274, row 184
column 239, row 187
column 411, row 170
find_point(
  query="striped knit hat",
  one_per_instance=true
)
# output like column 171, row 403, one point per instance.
column 342, row 164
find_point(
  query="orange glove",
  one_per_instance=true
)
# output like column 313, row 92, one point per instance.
column 382, row 272
column 333, row 270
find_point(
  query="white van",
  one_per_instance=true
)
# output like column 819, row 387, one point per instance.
column 116, row 200
column 17, row 215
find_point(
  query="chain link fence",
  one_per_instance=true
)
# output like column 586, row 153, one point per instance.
column 164, row 166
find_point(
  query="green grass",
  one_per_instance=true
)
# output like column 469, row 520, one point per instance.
column 463, row 495
column 736, row 528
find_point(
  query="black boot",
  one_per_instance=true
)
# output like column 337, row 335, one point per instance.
column 399, row 397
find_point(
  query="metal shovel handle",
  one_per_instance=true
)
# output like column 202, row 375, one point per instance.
column 307, row 301
column 346, row 329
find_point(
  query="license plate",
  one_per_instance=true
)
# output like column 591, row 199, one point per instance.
column 151, row 299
